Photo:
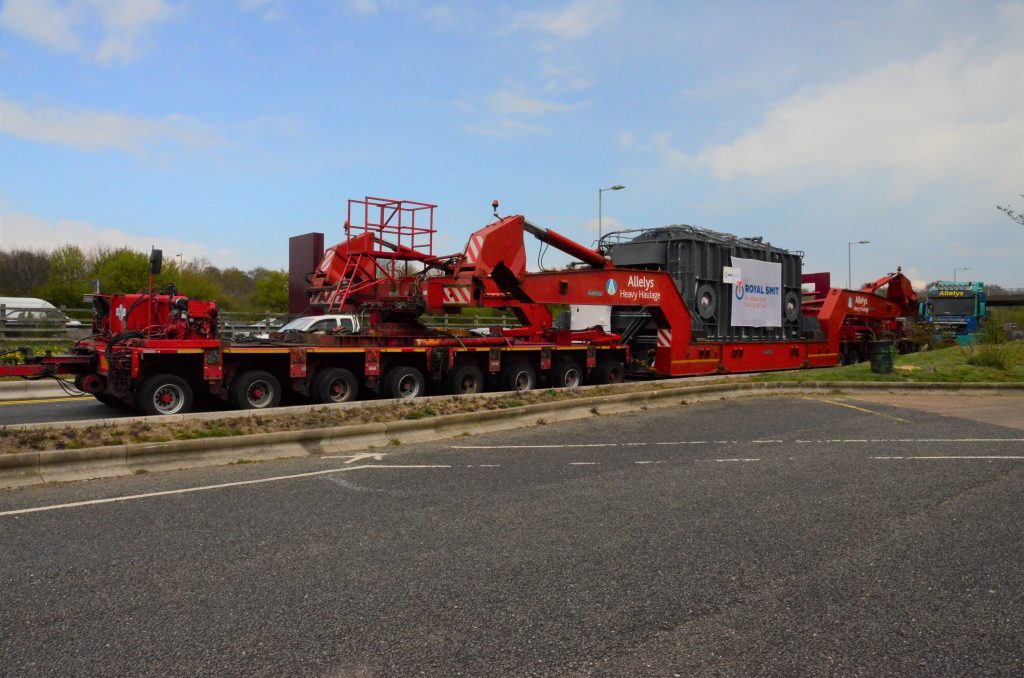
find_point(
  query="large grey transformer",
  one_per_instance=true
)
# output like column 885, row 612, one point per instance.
column 695, row 257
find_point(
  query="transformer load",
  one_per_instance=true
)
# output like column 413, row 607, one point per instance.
column 727, row 303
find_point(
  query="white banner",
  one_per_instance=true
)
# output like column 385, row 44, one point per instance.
column 757, row 294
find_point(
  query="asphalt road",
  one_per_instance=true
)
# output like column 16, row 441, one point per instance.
column 764, row 536
column 31, row 411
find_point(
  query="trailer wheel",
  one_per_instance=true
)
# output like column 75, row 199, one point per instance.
column 164, row 394
column 404, row 382
column 334, row 385
column 567, row 374
column 466, row 379
column 254, row 390
column 108, row 399
column 518, row 377
column 608, row 372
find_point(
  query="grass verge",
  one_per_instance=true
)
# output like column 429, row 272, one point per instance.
column 968, row 364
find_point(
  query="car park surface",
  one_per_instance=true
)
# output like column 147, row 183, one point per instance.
column 768, row 536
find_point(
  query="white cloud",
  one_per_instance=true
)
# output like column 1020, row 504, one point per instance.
column 97, row 130
column 575, row 20
column 626, row 140
column 63, row 26
column 42, row 21
column 563, row 77
column 19, row 230
column 362, row 7
column 506, row 129
column 949, row 115
column 508, row 102
column 607, row 223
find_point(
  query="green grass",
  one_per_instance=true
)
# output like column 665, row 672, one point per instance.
column 951, row 364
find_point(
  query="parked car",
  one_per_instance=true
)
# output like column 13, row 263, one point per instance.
column 31, row 311
column 318, row 323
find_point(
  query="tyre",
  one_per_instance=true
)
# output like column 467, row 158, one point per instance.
column 608, row 372
column 254, row 390
column 404, row 382
column 334, row 385
column 108, row 399
column 517, row 377
column 566, row 374
column 466, row 379
column 163, row 394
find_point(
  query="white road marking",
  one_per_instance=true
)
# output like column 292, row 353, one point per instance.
column 956, row 457
column 489, row 465
column 583, row 463
column 530, row 447
column 767, row 441
column 376, row 456
column 737, row 460
column 219, row 486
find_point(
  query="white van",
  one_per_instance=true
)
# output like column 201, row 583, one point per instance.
column 27, row 310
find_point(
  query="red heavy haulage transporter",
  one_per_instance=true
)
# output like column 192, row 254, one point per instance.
column 666, row 301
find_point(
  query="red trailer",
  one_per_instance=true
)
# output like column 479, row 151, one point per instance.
column 158, row 351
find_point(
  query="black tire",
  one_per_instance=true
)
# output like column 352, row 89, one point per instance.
column 567, row 374
column 608, row 372
column 334, row 385
column 254, row 390
column 404, row 382
column 518, row 377
column 108, row 399
column 466, row 379
column 163, row 394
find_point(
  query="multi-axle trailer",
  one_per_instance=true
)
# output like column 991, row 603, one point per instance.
column 159, row 351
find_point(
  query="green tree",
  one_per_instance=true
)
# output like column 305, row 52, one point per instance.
column 123, row 271
column 271, row 291
column 68, row 280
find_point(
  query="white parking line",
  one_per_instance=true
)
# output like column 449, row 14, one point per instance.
column 219, row 486
column 978, row 456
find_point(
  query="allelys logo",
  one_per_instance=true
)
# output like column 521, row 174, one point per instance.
column 611, row 287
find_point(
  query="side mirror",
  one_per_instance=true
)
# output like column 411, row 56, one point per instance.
column 156, row 258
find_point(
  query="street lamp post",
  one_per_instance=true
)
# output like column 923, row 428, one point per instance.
column 965, row 268
column 849, row 261
column 600, row 191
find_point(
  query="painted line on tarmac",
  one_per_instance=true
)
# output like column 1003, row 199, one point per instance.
column 62, row 399
column 859, row 409
column 975, row 456
column 858, row 441
column 737, row 460
column 219, row 486
column 583, row 463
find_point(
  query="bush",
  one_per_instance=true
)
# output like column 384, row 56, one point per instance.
column 997, row 356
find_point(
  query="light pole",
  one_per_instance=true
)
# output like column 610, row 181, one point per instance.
column 965, row 268
column 849, row 260
column 616, row 187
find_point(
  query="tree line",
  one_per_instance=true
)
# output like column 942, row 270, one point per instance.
column 63, row 275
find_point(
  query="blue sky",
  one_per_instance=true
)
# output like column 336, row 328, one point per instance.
column 219, row 129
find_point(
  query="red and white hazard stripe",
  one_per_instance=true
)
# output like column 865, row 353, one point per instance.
column 456, row 295
column 473, row 248
column 664, row 338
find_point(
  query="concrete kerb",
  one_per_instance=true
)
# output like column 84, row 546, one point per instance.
column 30, row 389
column 24, row 468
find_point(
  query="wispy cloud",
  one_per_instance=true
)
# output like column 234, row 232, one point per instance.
column 508, row 102
column 99, row 130
column 64, row 27
column 575, row 20
column 362, row 7
column 268, row 10
column 506, row 129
